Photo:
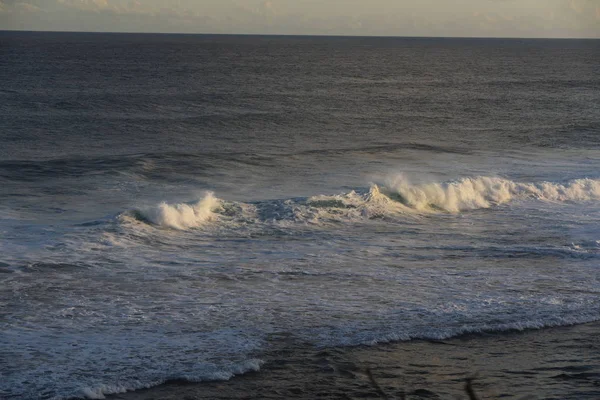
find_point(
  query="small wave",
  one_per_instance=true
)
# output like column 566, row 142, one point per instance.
column 100, row 391
column 182, row 216
column 396, row 196
column 357, row 338
column 372, row 204
column 485, row 192
column 382, row 148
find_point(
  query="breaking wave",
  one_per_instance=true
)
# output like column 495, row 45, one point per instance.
column 485, row 192
column 396, row 196
column 183, row 216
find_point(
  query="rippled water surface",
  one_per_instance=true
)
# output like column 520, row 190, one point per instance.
column 171, row 205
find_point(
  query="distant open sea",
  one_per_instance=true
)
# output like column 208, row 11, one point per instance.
column 172, row 206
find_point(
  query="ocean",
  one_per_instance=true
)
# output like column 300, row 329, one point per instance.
column 173, row 207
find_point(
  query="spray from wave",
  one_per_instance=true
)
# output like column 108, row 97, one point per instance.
column 485, row 192
column 184, row 216
column 396, row 196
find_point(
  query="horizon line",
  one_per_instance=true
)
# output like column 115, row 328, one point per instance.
column 298, row 35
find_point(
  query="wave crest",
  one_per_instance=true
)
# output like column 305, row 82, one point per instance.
column 184, row 216
column 397, row 196
column 484, row 192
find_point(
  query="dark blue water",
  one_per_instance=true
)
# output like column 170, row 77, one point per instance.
column 170, row 204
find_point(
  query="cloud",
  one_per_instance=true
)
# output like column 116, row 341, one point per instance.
column 101, row 5
column 576, row 6
column 26, row 7
column 78, row 4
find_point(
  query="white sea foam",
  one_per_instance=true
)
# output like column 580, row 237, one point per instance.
column 442, row 333
column 183, row 215
column 354, row 205
column 396, row 196
column 102, row 390
column 484, row 192
column 95, row 364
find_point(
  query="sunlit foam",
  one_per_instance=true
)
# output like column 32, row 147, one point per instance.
column 484, row 192
column 395, row 196
column 182, row 215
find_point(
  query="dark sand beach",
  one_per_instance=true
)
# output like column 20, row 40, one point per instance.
column 553, row 363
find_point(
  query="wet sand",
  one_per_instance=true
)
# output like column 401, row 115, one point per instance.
column 553, row 363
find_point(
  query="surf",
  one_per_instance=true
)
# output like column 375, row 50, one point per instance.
column 395, row 196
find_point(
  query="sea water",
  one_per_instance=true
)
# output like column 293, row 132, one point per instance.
column 172, row 205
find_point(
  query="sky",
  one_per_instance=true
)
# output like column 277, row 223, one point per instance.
column 462, row 18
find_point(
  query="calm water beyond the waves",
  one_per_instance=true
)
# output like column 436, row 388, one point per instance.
column 171, row 205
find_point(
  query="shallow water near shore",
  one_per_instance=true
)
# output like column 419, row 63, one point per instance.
column 556, row 363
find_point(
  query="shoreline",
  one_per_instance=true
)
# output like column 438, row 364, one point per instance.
column 558, row 362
